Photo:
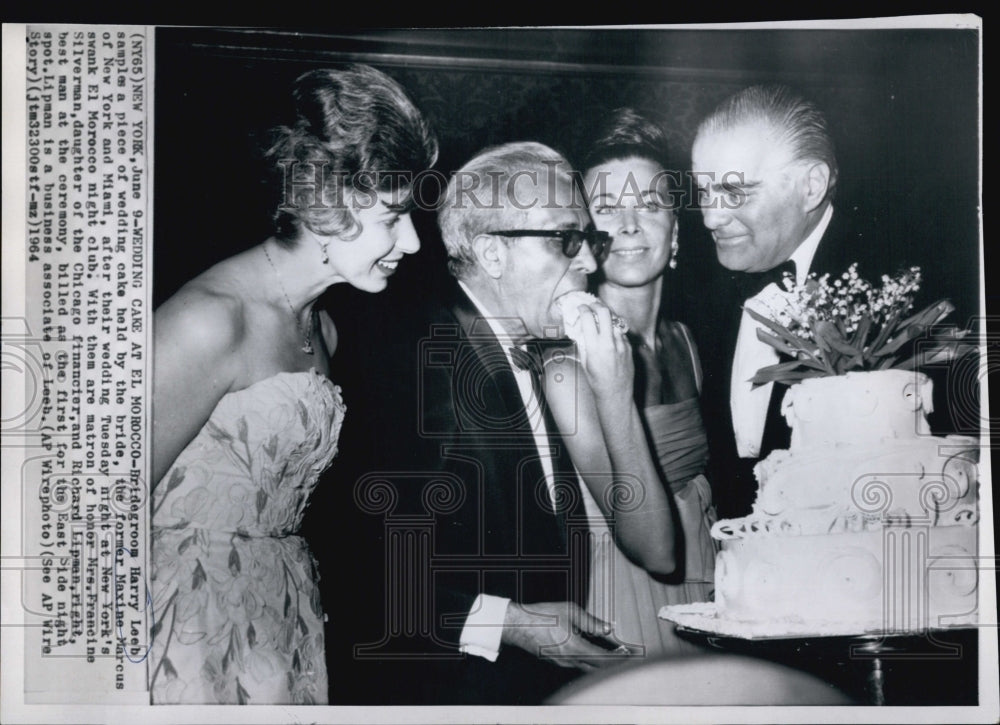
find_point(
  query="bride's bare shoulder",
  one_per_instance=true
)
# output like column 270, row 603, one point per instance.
column 206, row 311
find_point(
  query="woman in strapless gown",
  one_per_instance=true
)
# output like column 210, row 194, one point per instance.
column 244, row 416
column 626, row 183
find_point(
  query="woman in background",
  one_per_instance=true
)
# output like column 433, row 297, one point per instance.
column 244, row 416
column 626, row 182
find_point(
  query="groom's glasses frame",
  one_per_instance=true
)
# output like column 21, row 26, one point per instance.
column 571, row 239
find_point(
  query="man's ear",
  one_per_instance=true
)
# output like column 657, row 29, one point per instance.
column 815, row 182
column 491, row 254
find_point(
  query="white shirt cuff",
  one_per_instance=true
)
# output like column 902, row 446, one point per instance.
column 484, row 626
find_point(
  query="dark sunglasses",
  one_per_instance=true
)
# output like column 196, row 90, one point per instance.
column 572, row 239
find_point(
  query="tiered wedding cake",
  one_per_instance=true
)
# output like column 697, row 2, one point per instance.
column 867, row 523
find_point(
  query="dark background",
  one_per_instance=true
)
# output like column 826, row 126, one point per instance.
column 903, row 107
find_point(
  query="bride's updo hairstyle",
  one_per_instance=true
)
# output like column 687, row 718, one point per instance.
column 355, row 129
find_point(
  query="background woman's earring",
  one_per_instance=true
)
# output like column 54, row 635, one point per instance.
column 674, row 246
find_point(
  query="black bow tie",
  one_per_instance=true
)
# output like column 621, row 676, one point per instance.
column 750, row 284
column 526, row 360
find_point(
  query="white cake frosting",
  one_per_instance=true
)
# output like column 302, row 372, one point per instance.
column 867, row 521
column 858, row 408
column 569, row 306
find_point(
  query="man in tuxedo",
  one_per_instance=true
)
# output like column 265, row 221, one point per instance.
column 767, row 175
column 510, row 539
column 766, row 172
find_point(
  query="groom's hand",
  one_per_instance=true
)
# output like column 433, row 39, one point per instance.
column 558, row 632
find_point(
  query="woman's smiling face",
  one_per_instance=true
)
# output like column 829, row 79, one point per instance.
column 629, row 199
column 368, row 260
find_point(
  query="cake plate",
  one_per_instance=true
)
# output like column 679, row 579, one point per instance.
column 937, row 666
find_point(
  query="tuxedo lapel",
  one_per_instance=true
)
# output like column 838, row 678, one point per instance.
column 544, row 531
column 489, row 368
column 777, row 435
column 844, row 243
column 829, row 259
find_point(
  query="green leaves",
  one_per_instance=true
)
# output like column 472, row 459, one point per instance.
column 930, row 315
column 787, row 373
column 809, row 361
column 829, row 327
column 936, row 355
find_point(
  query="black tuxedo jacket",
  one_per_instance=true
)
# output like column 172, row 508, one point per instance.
column 474, row 472
column 475, row 427
column 714, row 318
column 436, row 495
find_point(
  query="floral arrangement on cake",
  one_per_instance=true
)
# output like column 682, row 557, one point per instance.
column 832, row 327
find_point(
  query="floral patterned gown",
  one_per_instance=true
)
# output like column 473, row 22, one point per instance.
column 237, row 615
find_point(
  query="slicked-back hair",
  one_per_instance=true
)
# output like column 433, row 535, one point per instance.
column 355, row 130
column 797, row 121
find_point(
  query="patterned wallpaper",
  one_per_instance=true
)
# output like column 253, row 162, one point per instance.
column 473, row 109
column 909, row 125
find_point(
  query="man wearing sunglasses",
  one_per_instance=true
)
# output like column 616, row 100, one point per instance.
column 508, row 611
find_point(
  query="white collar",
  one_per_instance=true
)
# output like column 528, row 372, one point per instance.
column 501, row 333
column 804, row 253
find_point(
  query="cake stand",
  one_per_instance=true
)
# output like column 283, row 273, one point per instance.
column 938, row 666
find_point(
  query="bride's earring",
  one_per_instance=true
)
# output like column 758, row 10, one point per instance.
column 322, row 248
column 674, row 246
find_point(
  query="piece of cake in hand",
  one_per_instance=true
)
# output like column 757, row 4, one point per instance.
column 569, row 307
